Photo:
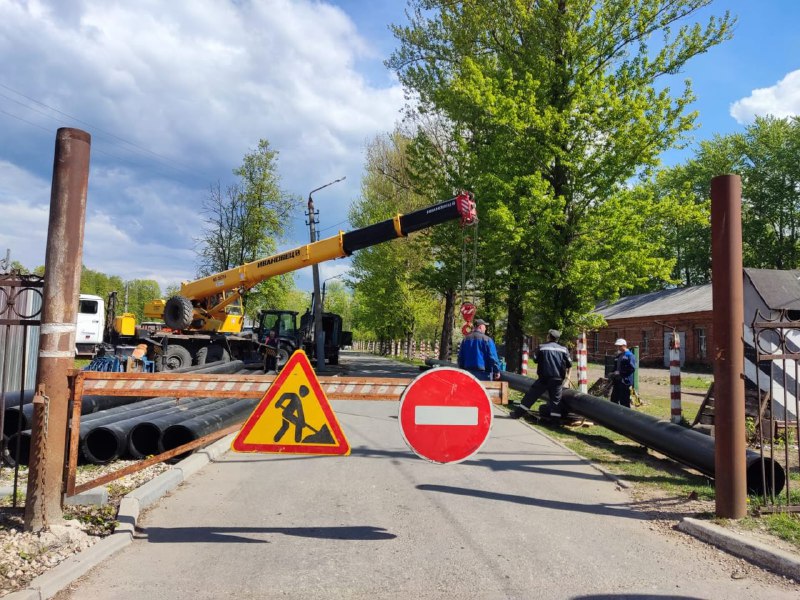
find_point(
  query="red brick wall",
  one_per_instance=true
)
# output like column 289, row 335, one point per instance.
column 649, row 336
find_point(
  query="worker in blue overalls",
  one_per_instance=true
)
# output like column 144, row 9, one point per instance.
column 478, row 354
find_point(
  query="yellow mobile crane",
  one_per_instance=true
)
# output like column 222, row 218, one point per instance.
column 203, row 323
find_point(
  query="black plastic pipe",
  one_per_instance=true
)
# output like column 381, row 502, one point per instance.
column 12, row 398
column 218, row 366
column 143, row 437
column 106, row 442
column 188, row 431
column 17, row 419
column 684, row 445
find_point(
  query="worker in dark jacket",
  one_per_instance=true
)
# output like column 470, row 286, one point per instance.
column 478, row 354
column 622, row 377
column 552, row 363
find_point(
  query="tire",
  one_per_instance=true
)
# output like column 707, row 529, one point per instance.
column 178, row 313
column 284, row 352
column 176, row 357
column 334, row 360
column 209, row 354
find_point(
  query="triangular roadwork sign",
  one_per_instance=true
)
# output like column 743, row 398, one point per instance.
column 293, row 417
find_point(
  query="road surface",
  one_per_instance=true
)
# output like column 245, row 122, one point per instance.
column 524, row 518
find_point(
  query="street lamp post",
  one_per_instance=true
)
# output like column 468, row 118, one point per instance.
column 319, row 334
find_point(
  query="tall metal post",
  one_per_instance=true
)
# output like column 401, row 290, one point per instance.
column 62, row 280
column 728, row 322
column 319, row 333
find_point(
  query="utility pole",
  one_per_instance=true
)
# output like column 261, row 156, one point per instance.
column 62, row 279
column 319, row 334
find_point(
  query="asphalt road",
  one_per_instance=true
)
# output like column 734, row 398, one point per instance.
column 524, row 518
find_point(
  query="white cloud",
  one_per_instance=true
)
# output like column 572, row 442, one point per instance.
column 780, row 100
column 174, row 95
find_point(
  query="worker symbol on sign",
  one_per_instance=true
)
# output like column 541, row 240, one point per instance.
column 294, row 416
column 291, row 406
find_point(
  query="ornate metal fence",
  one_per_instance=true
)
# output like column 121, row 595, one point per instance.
column 771, row 363
column 20, row 317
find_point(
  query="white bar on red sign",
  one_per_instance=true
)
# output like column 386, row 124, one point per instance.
column 445, row 415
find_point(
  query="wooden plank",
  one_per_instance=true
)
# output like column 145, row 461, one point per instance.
column 74, row 438
column 185, row 385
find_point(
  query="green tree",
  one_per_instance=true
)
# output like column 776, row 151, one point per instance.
column 391, row 304
column 764, row 155
column 245, row 221
column 559, row 103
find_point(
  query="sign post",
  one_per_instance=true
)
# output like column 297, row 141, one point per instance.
column 445, row 415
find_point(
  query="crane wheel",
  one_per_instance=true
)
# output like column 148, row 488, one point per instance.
column 209, row 354
column 178, row 313
column 176, row 357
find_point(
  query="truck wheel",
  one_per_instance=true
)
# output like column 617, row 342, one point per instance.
column 209, row 354
column 178, row 313
column 176, row 357
column 282, row 357
column 334, row 360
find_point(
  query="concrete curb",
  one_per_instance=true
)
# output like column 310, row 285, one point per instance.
column 774, row 559
column 56, row 579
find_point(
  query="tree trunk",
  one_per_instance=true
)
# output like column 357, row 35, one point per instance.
column 514, row 334
column 446, row 339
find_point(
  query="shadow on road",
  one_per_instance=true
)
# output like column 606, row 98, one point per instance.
column 612, row 510
column 227, row 535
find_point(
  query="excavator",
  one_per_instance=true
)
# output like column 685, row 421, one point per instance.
column 203, row 322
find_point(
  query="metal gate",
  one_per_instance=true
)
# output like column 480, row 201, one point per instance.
column 20, row 317
column 772, row 352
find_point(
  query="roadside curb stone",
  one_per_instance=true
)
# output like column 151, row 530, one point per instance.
column 774, row 559
column 49, row 584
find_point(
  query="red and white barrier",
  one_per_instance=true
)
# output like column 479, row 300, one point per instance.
column 524, row 360
column 583, row 379
column 675, row 378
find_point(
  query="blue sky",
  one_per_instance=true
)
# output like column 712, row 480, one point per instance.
column 175, row 93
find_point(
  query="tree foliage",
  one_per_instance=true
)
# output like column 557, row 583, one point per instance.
column 765, row 156
column 245, row 221
column 559, row 103
column 389, row 303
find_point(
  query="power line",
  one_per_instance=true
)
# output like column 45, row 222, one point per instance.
column 133, row 146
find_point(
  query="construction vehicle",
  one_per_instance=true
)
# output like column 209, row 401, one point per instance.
column 203, row 322
column 291, row 337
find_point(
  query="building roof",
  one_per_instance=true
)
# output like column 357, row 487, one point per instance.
column 664, row 302
column 778, row 289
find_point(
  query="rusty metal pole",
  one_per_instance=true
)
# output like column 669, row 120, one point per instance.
column 62, row 280
column 728, row 322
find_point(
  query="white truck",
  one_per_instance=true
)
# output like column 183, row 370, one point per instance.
column 90, row 325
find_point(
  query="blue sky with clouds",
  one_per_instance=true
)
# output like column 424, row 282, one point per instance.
column 175, row 93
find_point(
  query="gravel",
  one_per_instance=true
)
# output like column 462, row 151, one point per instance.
column 25, row 555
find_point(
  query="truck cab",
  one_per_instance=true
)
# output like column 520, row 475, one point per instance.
column 89, row 325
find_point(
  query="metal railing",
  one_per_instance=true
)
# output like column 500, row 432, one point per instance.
column 771, row 363
column 20, row 318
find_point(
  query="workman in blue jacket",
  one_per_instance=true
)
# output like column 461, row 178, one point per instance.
column 622, row 377
column 478, row 354
column 552, row 363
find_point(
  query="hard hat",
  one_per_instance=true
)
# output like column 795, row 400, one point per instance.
column 620, row 342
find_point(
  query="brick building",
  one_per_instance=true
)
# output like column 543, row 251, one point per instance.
column 648, row 320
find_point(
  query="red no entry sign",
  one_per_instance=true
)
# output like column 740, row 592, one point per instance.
column 445, row 415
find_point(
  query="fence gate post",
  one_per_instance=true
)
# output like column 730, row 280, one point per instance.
column 62, row 279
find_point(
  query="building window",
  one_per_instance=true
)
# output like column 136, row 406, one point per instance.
column 701, row 342
column 645, row 343
column 596, row 342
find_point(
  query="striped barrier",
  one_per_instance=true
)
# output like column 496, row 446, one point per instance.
column 675, row 378
column 583, row 379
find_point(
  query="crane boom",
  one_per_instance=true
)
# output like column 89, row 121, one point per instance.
column 338, row 246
